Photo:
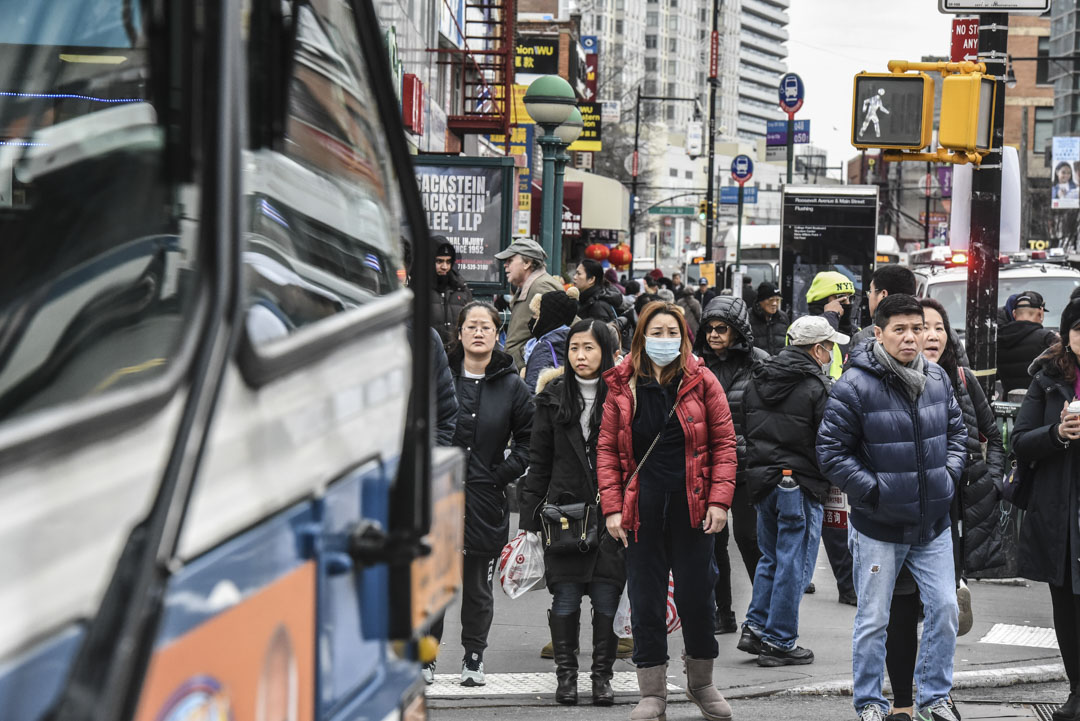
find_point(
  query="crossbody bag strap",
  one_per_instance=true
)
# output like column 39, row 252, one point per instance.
column 653, row 444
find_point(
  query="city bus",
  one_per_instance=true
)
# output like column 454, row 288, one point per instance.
column 220, row 495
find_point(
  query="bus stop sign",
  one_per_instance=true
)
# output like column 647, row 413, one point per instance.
column 792, row 93
column 742, row 169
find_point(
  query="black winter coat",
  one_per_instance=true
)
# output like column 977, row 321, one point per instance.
column 785, row 401
column 599, row 302
column 982, row 548
column 1048, row 536
column 770, row 331
column 491, row 413
column 447, row 303
column 446, row 405
column 1019, row 343
column 562, row 469
column 734, row 369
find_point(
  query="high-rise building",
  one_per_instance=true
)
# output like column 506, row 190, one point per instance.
column 1064, row 40
column 619, row 26
column 672, row 58
column 762, row 57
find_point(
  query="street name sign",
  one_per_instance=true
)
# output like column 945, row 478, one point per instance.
column 993, row 6
column 671, row 210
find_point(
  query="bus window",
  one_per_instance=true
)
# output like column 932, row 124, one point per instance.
column 324, row 233
column 98, row 278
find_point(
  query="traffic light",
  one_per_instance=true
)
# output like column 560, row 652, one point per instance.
column 892, row 110
column 967, row 112
column 703, row 210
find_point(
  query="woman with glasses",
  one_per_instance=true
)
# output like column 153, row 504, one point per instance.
column 726, row 344
column 666, row 469
column 494, row 408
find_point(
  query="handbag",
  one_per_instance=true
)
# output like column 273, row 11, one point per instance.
column 1016, row 487
column 571, row 527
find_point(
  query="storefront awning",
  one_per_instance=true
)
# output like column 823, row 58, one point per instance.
column 605, row 203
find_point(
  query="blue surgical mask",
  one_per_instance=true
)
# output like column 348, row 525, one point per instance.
column 662, row 351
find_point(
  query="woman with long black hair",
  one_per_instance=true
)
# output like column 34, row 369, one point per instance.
column 562, row 470
column 598, row 299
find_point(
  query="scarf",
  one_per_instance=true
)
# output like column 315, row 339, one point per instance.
column 913, row 376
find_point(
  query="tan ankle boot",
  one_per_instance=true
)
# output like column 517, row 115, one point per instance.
column 701, row 690
column 652, row 685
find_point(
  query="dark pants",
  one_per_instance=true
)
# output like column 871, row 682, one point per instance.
column 666, row 542
column 566, row 597
column 1067, row 625
column 477, row 604
column 742, row 520
column 836, row 548
column 902, row 646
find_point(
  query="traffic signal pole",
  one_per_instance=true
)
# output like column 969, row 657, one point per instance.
column 714, row 59
column 982, row 300
column 633, row 181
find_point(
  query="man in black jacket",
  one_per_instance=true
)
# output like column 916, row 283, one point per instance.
column 1022, row 340
column 449, row 293
column 767, row 320
column 782, row 410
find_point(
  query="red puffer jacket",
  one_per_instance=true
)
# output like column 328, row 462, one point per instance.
column 710, row 443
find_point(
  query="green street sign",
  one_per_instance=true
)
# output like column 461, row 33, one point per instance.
column 671, row 210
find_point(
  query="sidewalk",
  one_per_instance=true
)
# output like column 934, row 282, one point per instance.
column 517, row 674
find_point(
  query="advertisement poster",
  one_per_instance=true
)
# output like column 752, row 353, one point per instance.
column 591, row 140
column 827, row 229
column 1065, row 193
column 465, row 204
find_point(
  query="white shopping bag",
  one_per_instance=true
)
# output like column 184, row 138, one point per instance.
column 621, row 625
column 521, row 564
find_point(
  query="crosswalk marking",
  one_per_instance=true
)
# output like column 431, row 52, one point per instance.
column 1009, row 635
column 448, row 685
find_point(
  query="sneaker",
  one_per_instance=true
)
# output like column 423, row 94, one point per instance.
column 939, row 711
column 849, row 598
column 771, row 656
column 428, row 672
column 963, row 600
column 472, row 670
column 872, row 713
column 724, row 622
column 811, row 588
column 749, row 642
column 899, row 716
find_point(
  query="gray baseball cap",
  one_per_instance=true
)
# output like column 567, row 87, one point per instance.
column 811, row 329
column 526, row 247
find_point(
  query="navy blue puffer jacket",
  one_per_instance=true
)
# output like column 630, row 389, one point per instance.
column 898, row 461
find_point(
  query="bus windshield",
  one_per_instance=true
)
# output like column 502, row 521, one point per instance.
column 96, row 282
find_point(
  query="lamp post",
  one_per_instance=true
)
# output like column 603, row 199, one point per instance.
column 549, row 101
column 567, row 133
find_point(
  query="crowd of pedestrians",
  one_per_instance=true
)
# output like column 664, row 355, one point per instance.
column 664, row 418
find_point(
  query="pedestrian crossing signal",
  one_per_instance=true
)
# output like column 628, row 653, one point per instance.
column 967, row 112
column 893, row 111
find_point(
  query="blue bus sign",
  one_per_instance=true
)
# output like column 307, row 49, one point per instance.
column 742, row 168
column 792, row 92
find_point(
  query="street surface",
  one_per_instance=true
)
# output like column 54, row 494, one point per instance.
column 1011, row 643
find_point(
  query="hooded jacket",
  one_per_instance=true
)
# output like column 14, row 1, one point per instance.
column 898, row 460
column 449, row 295
column 734, row 369
column 785, row 402
column 702, row 410
column 692, row 310
column 562, row 465
column 1019, row 343
column 770, row 331
column 599, row 302
column 492, row 412
column 1048, row 536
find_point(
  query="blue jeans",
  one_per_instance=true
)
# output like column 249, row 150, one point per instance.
column 876, row 566
column 566, row 597
column 789, row 531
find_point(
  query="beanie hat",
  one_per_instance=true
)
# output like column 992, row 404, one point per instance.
column 444, row 247
column 766, row 290
column 556, row 310
column 1069, row 318
column 656, row 274
column 827, row 283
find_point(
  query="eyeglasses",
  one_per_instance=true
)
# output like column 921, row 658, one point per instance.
column 481, row 329
column 717, row 329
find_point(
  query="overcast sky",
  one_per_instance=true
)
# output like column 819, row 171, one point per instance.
column 832, row 40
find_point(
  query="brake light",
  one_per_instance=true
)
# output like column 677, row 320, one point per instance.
column 1004, row 259
column 959, row 259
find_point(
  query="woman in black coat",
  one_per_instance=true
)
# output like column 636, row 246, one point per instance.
column 1046, row 441
column 598, row 299
column 726, row 343
column 494, row 408
column 562, row 469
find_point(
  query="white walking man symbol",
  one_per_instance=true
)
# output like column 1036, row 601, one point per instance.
column 871, row 106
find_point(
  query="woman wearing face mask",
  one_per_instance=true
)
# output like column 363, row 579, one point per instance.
column 562, row 463
column 977, row 543
column 726, row 343
column 666, row 467
column 1046, row 440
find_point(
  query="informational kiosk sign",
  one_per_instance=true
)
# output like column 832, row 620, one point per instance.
column 827, row 228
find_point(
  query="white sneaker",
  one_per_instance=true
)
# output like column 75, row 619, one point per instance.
column 472, row 670
column 940, row 711
column 428, row 672
column 872, row 713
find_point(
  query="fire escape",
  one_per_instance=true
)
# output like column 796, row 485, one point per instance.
column 482, row 69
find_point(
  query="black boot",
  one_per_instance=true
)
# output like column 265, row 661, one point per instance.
column 564, row 639
column 1070, row 710
column 604, row 645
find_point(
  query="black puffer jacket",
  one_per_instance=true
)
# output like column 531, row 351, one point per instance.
column 449, row 295
column 492, row 412
column 770, row 331
column 739, row 360
column 562, row 469
column 599, row 302
column 446, row 405
column 983, row 549
column 784, row 404
column 1019, row 343
column 1048, row 536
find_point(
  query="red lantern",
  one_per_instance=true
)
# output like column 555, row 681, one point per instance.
column 620, row 256
column 598, row 252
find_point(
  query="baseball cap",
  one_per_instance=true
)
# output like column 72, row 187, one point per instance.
column 703, row 281
column 1029, row 299
column 526, row 247
column 811, row 329
column 827, row 283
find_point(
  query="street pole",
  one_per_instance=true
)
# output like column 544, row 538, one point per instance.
column 556, row 239
column 790, row 145
column 982, row 300
column 549, row 146
column 633, row 181
column 738, row 244
column 929, row 185
column 1025, row 198
column 710, row 220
